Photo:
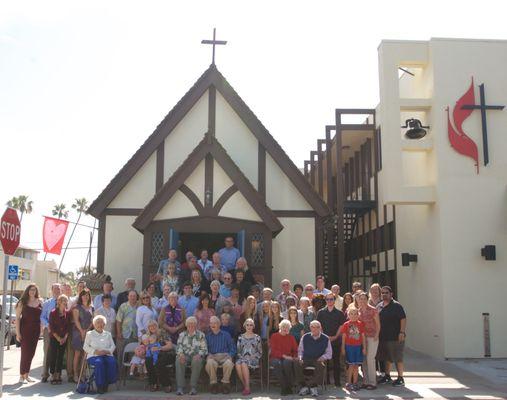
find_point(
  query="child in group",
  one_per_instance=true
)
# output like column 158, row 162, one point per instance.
column 353, row 346
column 225, row 321
column 153, row 347
column 137, row 363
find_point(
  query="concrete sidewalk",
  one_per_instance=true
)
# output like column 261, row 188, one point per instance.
column 426, row 378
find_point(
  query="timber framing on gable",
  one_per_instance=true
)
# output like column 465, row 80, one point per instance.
column 206, row 150
column 213, row 80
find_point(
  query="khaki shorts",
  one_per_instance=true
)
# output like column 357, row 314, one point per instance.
column 391, row 351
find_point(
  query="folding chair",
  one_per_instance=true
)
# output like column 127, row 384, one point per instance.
column 128, row 352
column 253, row 372
column 310, row 369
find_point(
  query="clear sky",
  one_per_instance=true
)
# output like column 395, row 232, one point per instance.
column 83, row 83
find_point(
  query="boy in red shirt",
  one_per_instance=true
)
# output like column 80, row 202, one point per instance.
column 353, row 346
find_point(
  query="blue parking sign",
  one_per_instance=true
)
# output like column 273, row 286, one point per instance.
column 13, row 272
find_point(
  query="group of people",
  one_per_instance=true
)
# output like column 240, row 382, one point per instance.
column 212, row 314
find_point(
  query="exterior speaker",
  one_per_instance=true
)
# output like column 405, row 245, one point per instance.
column 407, row 258
column 489, row 252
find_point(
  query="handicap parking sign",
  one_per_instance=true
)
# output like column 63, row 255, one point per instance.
column 13, row 272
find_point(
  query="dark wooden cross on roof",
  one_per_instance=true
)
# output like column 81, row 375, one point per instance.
column 213, row 42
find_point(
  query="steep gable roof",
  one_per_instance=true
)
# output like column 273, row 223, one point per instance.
column 211, row 146
column 211, row 77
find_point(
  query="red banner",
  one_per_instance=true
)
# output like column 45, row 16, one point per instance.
column 53, row 234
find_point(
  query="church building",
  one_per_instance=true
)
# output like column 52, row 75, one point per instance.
column 210, row 170
column 411, row 193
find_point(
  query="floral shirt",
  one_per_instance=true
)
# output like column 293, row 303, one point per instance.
column 368, row 318
column 127, row 317
column 192, row 345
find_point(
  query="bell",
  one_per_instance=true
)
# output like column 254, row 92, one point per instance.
column 416, row 130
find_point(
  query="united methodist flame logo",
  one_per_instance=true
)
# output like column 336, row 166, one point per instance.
column 459, row 140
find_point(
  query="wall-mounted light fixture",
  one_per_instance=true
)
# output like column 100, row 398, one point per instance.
column 415, row 130
column 407, row 258
column 207, row 198
column 489, row 252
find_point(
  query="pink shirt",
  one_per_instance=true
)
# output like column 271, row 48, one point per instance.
column 368, row 318
column 203, row 316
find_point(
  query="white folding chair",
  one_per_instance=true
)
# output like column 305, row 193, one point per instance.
column 128, row 352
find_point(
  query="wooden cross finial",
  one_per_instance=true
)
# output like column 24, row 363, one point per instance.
column 213, row 42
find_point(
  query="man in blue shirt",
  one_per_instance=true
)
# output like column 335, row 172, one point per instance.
column 107, row 288
column 229, row 254
column 225, row 288
column 188, row 301
column 221, row 350
column 48, row 306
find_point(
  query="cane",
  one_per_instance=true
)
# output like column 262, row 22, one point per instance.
column 83, row 362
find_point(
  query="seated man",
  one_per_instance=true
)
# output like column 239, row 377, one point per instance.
column 314, row 350
column 221, row 350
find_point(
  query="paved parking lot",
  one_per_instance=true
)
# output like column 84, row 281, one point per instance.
column 426, row 378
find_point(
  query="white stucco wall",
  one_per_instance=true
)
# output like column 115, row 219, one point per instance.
column 195, row 181
column 178, row 206
column 281, row 194
column 221, row 181
column 294, row 252
column 123, row 256
column 185, row 136
column 470, row 209
column 238, row 207
column 140, row 189
column 236, row 138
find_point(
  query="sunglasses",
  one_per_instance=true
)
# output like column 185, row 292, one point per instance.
column 329, row 299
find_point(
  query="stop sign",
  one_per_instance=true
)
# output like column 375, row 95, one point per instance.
column 10, row 231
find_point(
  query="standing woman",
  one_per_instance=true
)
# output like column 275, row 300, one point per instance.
column 307, row 311
column 171, row 278
column 28, row 328
column 203, row 313
column 82, row 316
column 145, row 313
column 215, row 293
column 369, row 316
column 151, row 289
column 375, row 296
column 347, row 301
column 250, row 311
column 276, row 317
column 249, row 354
column 297, row 329
column 199, row 284
column 59, row 327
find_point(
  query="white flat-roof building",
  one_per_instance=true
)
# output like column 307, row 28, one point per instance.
column 442, row 197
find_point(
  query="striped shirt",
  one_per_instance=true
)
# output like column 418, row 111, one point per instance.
column 220, row 343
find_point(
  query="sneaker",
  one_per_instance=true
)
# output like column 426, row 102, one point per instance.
column 356, row 387
column 399, row 381
column 179, row 392
column 349, row 387
column 314, row 392
column 304, row 391
column 193, row 391
column 385, row 379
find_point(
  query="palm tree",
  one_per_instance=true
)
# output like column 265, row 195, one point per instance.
column 59, row 210
column 80, row 205
column 22, row 204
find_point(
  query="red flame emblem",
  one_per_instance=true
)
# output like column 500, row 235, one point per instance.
column 462, row 143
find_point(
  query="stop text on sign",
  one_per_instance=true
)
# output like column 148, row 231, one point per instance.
column 10, row 231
